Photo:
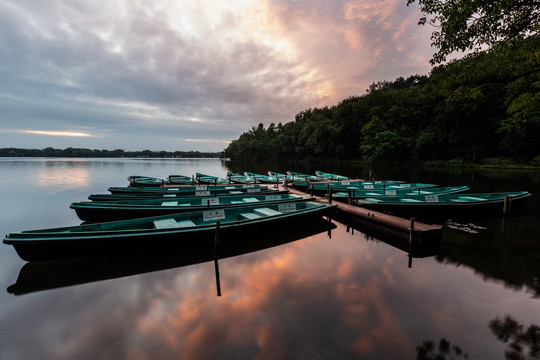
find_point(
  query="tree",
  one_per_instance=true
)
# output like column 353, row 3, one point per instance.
column 465, row 25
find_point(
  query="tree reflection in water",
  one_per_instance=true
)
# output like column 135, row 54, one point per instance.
column 444, row 350
column 509, row 330
column 523, row 344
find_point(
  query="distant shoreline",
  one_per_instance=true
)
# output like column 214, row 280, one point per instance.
column 70, row 152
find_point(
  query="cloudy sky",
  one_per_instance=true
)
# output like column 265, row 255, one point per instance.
column 190, row 75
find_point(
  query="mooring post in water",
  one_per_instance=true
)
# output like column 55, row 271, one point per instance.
column 506, row 205
column 216, row 240
column 411, row 232
column 329, row 196
column 349, row 195
column 218, row 284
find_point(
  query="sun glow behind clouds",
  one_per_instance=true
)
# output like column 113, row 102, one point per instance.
column 57, row 133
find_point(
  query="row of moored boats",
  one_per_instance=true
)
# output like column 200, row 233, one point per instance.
column 153, row 212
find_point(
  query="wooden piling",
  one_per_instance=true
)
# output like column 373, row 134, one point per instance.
column 506, row 205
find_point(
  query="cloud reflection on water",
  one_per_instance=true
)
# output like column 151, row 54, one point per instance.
column 269, row 301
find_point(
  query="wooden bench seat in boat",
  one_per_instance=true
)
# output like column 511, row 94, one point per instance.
column 249, row 216
column 266, row 211
column 171, row 223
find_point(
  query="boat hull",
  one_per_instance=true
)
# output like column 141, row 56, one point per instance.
column 70, row 242
column 447, row 205
column 123, row 210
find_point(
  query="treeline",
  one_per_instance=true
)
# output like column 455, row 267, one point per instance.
column 88, row 153
column 483, row 105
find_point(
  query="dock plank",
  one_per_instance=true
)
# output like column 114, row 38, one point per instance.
column 399, row 225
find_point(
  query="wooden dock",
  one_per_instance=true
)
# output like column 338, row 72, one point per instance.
column 406, row 229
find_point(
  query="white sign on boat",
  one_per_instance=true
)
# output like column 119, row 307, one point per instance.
column 214, row 215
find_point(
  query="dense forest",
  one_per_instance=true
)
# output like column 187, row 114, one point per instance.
column 87, row 153
column 484, row 105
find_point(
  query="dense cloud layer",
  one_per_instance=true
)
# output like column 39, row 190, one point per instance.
column 173, row 75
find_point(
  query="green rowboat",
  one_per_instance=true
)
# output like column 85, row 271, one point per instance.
column 343, row 186
column 130, row 209
column 209, row 179
column 305, row 177
column 180, row 180
column 447, row 204
column 262, row 178
column 241, row 179
column 203, row 192
column 360, row 194
column 185, row 189
column 330, row 176
column 137, row 181
column 168, row 231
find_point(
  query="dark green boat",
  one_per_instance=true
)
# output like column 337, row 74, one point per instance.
column 241, row 179
column 209, row 179
column 187, row 189
column 267, row 179
column 178, row 195
column 296, row 176
column 354, row 194
column 462, row 203
column 138, row 181
column 180, row 180
column 173, row 230
column 130, row 209
column 330, row 176
column 344, row 186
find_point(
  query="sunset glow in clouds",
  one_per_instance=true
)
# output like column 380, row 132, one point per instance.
column 168, row 75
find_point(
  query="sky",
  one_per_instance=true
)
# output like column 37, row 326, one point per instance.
column 190, row 75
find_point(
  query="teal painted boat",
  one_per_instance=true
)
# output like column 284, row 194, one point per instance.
column 305, row 177
column 360, row 194
column 279, row 177
column 46, row 275
column 187, row 189
column 241, row 179
column 180, row 180
column 209, row 179
column 330, row 176
column 138, row 181
column 462, row 203
column 344, row 186
column 130, row 209
column 173, row 230
column 202, row 191
column 266, row 179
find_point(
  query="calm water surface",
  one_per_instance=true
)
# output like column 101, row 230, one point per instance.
column 316, row 294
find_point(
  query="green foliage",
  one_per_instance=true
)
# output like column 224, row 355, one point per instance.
column 485, row 105
column 465, row 25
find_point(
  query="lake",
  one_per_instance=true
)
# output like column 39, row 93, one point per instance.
column 322, row 292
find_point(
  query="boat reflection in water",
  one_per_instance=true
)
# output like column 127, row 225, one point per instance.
column 46, row 275
column 414, row 247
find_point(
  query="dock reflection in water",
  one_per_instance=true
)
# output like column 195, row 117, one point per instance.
column 45, row 275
